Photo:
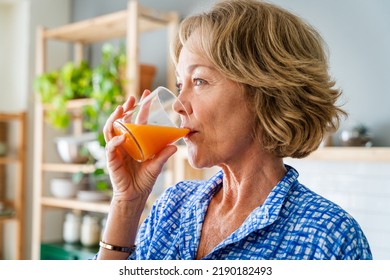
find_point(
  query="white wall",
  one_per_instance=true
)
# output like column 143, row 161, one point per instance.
column 13, row 56
column 13, row 93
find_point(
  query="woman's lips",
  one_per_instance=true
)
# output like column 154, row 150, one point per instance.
column 190, row 134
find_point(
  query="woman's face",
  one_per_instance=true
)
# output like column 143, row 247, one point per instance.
column 220, row 123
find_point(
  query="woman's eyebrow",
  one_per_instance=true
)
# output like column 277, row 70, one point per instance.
column 192, row 67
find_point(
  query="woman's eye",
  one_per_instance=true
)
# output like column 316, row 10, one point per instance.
column 199, row 82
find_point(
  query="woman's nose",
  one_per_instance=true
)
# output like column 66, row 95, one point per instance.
column 181, row 107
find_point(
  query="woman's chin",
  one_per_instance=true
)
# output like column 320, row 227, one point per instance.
column 199, row 160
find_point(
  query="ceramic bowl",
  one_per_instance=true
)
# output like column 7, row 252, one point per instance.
column 71, row 148
column 90, row 195
column 97, row 152
column 63, row 188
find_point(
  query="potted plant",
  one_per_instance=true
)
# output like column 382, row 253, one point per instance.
column 56, row 88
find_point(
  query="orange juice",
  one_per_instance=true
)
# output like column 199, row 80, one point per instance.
column 144, row 141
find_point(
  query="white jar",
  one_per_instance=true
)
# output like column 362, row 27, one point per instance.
column 90, row 231
column 71, row 229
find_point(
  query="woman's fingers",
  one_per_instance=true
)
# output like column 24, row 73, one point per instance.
column 143, row 113
column 108, row 126
column 129, row 104
column 161, row 158
column 114, row 154
column 145, row 94
column 115, row 143
column 119, row 112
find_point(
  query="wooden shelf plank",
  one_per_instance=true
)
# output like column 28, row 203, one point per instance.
column 101, row 206
column 92, row 30
column 11, row 116
column 4, row 218
column 372, row 154
column 8, row 159
column 106, row 27
column 73, row 104
column 68, row 168
column 7, row 215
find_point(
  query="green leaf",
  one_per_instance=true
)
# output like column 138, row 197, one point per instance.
column 102, row 185
column 67, row 71
column 99, row 171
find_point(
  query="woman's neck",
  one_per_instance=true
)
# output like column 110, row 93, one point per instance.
column 249, row 179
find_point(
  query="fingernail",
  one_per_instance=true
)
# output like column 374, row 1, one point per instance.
column 121, row 138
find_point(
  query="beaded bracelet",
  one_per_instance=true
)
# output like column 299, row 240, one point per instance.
column 107, row 246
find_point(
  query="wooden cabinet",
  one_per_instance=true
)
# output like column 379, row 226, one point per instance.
column 127, row 24
column 12, row 191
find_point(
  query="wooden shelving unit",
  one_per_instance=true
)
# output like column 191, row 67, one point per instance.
column 126, row 24
column 14, row 207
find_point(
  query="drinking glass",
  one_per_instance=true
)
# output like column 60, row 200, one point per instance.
column 151, row 125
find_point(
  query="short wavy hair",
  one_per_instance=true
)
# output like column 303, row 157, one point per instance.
column 281, row 61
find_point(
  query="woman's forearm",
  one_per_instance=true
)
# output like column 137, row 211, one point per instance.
column 121, row 227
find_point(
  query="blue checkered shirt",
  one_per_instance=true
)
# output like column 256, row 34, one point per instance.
column 292, row 223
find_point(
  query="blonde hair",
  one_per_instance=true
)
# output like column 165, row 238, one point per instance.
column 282, row 63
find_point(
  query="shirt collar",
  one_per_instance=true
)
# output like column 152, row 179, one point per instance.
column 266, row 213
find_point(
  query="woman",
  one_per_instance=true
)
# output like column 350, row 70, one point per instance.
column 253, row 79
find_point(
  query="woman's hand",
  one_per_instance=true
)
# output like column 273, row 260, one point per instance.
column 131, row 180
